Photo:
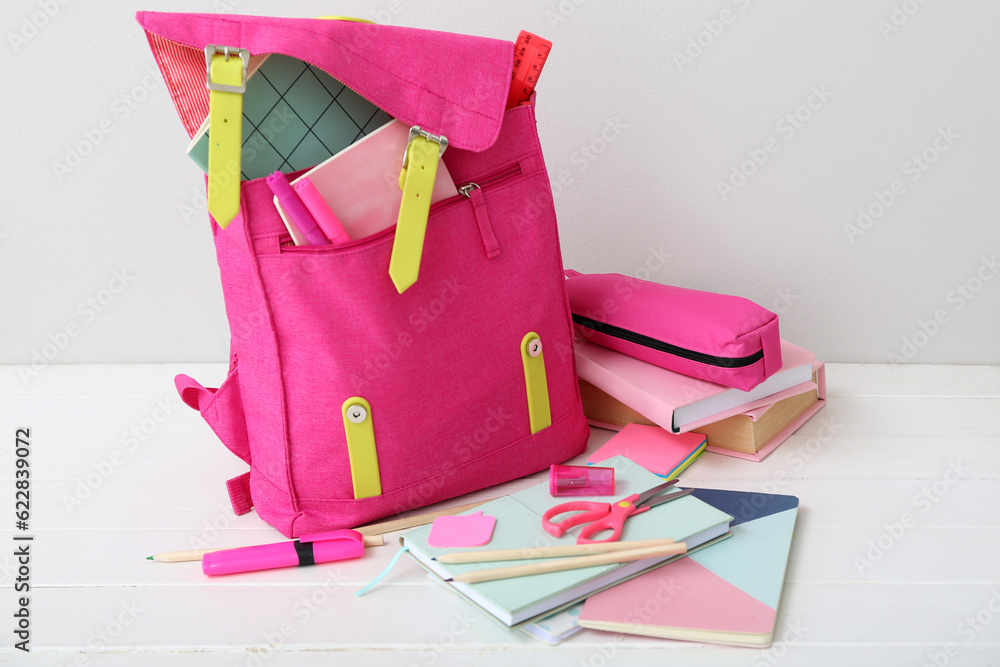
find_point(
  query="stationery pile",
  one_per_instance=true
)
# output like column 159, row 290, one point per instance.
column 618, row 390
column 678, row 372
column 519, row 525
column 687, row 360
column 725, row 591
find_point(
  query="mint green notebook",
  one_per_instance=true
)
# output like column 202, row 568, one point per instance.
column 519, row 525
column 294, row 116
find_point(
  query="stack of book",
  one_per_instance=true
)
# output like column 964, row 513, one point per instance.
column 618, row 389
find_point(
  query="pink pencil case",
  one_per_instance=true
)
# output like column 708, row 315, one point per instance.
column 724, row 339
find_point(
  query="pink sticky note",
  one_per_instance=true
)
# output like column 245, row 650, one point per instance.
column 463, row 530
column 655, row 449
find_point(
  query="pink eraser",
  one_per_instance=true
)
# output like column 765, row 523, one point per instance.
column 462, row 530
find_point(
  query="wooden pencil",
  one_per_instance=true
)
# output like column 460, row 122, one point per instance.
column 549, row 552
column 570, row 563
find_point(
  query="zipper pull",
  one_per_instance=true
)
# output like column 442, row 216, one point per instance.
column 475, row 193
column 420, row 162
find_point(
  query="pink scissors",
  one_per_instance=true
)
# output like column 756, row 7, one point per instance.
column 607, row 516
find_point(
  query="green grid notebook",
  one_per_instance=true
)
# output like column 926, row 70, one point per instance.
column 294, row 116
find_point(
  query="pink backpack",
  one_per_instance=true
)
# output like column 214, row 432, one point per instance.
column 351, row 401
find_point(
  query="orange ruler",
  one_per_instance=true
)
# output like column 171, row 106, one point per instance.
column 530, row 53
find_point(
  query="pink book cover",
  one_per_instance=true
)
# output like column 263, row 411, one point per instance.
column 680, row 403
column 360, row 184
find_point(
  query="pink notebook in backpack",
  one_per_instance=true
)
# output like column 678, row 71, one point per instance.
column 360, row 184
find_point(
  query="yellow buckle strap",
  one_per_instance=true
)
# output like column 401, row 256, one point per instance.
column 420, row 162
column 227, row 80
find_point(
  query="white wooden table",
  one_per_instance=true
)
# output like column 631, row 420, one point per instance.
column 121, row 469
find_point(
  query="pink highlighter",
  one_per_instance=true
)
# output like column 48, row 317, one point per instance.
column 295, row 209
column 320, row 211
column 307, row 550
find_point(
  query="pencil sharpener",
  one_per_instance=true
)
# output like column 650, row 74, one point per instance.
column 581, row 481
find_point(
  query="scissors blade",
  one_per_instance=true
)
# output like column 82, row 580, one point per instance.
column 659, row 500
column 655, row 491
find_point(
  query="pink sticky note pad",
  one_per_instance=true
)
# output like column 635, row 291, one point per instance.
column 463, row 530
column 655, row 449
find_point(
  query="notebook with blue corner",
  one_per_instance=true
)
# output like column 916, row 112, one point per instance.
column 728, row 594
column 518, row 525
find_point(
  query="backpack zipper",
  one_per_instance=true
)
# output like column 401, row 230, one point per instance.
column 465, row 192
column 660, row 346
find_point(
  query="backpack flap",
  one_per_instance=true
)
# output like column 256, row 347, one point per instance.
column 451, row 89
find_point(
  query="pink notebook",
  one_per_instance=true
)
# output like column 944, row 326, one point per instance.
column 360, row 184
column 681, row 403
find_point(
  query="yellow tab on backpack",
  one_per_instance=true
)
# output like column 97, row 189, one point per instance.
column 535, row 383
column 227, row 80
column 420, row 163
column 361, row 447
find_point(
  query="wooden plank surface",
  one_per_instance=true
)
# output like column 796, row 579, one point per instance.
column 896, row 545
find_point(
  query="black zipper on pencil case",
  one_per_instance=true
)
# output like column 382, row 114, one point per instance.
column 660, row 346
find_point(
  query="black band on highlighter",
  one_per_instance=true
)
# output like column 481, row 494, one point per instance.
column 305, row 552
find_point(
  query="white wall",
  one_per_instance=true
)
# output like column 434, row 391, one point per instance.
column 661, row 133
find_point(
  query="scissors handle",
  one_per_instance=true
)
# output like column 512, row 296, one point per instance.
column 614, row 521
column 591, row 511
